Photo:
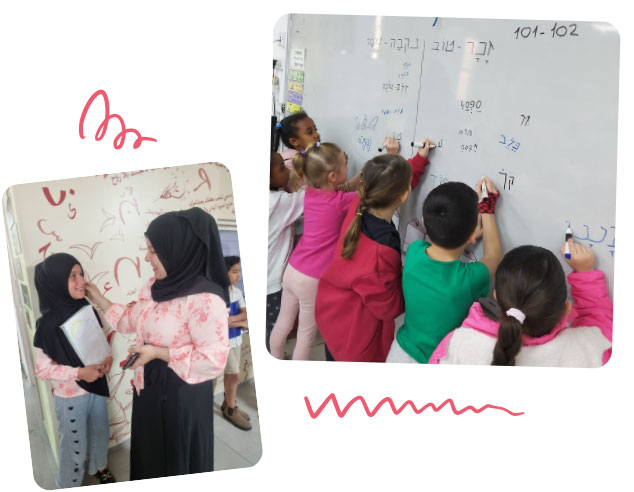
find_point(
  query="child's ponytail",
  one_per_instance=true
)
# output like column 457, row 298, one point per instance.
column 384, row 179
column 353, row 233
column 509, row 341
column 299, row 165
column 530, row 287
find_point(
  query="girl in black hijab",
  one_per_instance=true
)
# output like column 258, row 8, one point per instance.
column 182, row 340
column 80, row 392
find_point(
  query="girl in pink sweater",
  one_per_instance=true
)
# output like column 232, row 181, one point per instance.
column 325, row 168
column 538, row 325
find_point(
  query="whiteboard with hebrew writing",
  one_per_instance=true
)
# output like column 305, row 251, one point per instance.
column 531, row 104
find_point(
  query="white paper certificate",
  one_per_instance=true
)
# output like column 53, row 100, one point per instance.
column 86, row 336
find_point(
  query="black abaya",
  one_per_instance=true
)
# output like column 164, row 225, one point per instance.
column 172, row 425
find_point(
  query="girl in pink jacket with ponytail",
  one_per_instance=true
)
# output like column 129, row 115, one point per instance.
column 538, row 325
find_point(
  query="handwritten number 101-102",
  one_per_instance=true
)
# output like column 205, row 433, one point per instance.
column 556, row 31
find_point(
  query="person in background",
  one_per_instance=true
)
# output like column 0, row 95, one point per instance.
column 237, row 322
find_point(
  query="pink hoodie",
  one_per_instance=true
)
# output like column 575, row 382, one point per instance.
column 580, row 340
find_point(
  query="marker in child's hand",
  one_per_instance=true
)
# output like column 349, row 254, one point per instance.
column 382, row 147
column 485, row 194
column 421, row 145
column 567, row 247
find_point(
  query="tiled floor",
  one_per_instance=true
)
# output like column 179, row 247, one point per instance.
column 233, row 447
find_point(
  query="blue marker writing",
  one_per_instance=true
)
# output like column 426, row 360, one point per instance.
column 567, row 247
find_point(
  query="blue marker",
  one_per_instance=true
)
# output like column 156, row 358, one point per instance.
column 567, row 247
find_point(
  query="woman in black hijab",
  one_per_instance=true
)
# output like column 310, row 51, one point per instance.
column 80, row 392
column 182, row 340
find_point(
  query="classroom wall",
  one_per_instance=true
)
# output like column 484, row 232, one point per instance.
column 101, row 220
column 280, row 50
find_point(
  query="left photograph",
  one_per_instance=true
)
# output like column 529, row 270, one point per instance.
column 132, row 326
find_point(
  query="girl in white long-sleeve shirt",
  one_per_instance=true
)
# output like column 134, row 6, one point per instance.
column 284, row 209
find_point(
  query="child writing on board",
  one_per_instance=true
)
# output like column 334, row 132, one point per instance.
column 325, row 168
column 360, row 293
column 538, row 325
column 438, row 288
column 284, row 209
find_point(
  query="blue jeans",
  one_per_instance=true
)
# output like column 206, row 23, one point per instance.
column 85, row 431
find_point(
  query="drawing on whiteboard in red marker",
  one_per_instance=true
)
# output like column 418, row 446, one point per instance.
column 136, row 263
column 205, row 179
column 89, row 250
column 57, row 237
column 132, row 203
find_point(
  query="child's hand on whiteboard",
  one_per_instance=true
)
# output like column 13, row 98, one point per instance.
column 391, row 145
column 491, row 189
column 581, row 256
column 424, row 151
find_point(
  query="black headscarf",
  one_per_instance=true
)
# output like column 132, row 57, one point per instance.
column 188, row 245
column 56, row 306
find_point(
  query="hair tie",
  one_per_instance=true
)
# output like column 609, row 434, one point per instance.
column 278, row 126
column 303, row 153
column 360, row 214
column 517, row 314
column 317, row 144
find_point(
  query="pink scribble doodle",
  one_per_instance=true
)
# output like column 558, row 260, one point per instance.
column 119, row 139
column 205, row 179
column 89, row 250
column 137, row 265
column 371, row 413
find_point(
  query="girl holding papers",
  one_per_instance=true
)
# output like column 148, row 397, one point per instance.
column 80, row 391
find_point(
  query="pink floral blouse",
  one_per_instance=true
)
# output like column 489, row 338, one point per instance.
column 62, row 378
column 193, row 328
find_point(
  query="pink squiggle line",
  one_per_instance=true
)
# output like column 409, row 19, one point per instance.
column 371, row 413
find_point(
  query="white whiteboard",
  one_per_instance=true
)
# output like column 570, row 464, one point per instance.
column 531, row 104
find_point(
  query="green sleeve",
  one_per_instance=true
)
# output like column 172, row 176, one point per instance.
column 480, row 279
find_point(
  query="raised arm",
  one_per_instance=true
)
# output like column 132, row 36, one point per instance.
column 117, row 316
column 492, row 254
column 593, row 306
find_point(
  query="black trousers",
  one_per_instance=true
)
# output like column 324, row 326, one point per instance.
column 172, row 425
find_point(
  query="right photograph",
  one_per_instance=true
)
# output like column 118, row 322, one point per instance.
column 442, row 190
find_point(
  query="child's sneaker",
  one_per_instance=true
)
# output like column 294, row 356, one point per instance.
column 236, row 417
